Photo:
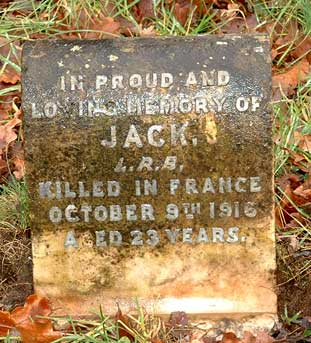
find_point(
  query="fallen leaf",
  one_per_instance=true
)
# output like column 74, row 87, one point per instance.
column 296, row 222
column 145, row 8
column 6, row 101
column 286, row 82
column 7, row 132
column 3, row 167
column 293, row 244
column 294, row 192
column 305, row 143
column 178, row 319
column 293, row 180
column 6, row 323
column 230, row 337
column 36, row 333
column 104, row 25
column 10, row 75
column 181, row 13
column 284, row 41
column 178, row 322
column 264, row 337
column 30, row 324
column 17, row 159
column 144, row 31
column 12, row 53
column 304, row 191
column 207, row 339
column 91, row 27
column 222, row 3
column 302, row 46
column 248, row 338
column 123, row 325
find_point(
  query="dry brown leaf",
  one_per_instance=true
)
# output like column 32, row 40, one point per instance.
column 294, row 192
column 3, row 166
column 248, row 338
column 28, row 321
column 264, row 337
column 123, row 323
column 7, row 132
column 144, row 31
column 19, row 166
column 95, row 27
column 148, row 32
column 145, row 8
column 9, row 74
column 103, row 24
column 304, row 191
column 24, row 321
column 6, row 323
column 17, row 160
column 38, row 333
column 181, row 13
column 293, row 244
column 240, row 24
column 305, row 143
column 230, row 337
column 293, row 180
column 206, row 339
column 178, row 319
column 299, row 158
column 286, row 82
column 34, row 306
column 302, row 46
column 222, row 3
column 283, row 41
column 296, row 221
column 6, row 101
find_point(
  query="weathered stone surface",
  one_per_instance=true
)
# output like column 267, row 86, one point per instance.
column 177, row 164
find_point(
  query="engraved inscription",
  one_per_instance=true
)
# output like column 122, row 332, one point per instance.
column 146, row 117
column 149, row 168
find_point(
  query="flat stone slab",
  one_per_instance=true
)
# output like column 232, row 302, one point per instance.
column 149, row 166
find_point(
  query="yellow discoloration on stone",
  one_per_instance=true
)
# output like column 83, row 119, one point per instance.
column 76, row 48
column 128, row 49
column 209, row 127
column 113, row 58
column 87, row 275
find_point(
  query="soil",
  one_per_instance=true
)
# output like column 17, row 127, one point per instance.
column 294, row 295
column 15, row 269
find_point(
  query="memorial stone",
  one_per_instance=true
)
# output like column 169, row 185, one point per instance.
column 149, row 166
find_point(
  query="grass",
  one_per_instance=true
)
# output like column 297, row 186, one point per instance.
column 14, row 236
column 105, row 329
column 293, row 118
column 281, row 12
column 165, row 22
column 280, row 15
column 14, row 204
column 53, row 18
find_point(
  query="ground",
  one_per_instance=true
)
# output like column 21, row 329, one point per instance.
column 287, row 22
